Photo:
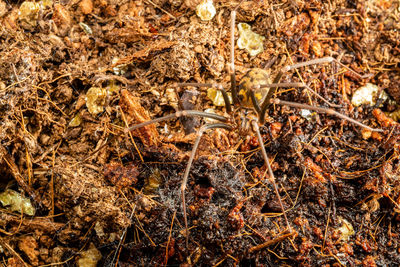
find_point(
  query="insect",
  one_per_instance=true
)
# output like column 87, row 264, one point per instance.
column 251, row 99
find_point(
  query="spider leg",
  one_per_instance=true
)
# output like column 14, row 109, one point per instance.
column 232, row 63
column 276, row 85
column 254, row 100
column 189, row 165
column 212, row 85
column 323, row 60
column 188, row 113
column 329, row 111
column 270, row 172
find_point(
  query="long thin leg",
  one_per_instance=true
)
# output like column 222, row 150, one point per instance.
column 323, row 60
column 189, row 165
column 232, row 65
column 254, row 101
column 212, row 85
column 270, row 172
column 276, row 85
column 329, row 111
column 187, row 113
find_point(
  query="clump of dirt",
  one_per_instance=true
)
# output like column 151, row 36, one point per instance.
column 75, row 75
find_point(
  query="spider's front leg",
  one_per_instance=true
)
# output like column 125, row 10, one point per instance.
column 256, row 129
column 189, row 165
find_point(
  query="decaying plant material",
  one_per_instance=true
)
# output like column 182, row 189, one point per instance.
column 74, row 75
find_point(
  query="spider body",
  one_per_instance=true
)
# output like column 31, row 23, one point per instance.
column 251, row 99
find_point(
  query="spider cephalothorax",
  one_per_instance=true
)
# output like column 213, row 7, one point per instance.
column 251, row 82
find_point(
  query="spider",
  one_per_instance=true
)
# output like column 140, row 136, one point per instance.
column 251, row 99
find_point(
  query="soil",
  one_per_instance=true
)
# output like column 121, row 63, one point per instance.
column 75, row 74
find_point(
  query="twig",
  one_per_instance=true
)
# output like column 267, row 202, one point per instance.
column 271, row 242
